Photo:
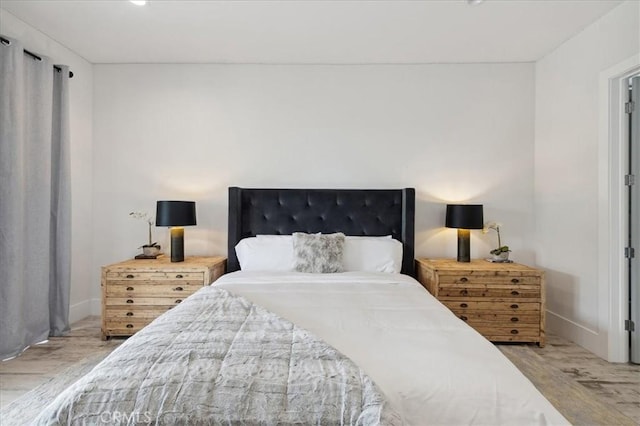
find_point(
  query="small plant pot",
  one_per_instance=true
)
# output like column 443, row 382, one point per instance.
column 501, row 257
column 151, row 250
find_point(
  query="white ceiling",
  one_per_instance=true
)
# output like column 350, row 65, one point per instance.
column 306, row 31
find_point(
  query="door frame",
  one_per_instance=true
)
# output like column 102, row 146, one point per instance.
column 613, row 288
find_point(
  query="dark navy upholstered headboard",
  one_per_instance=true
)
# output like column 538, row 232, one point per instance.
column 358, row 212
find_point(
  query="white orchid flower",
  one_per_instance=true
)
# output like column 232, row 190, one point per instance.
column 491, row 225
column 496, row 227
column 142, row 216
column 147, row 218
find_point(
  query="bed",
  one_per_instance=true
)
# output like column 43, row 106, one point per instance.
column 285, row 347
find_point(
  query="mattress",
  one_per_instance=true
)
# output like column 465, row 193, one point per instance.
column 432, row 367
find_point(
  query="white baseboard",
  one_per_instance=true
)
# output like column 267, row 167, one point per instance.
column 81, row 310
column 577, row 333
column 96, row 307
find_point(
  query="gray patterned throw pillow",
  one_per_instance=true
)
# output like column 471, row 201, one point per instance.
column 318, row 253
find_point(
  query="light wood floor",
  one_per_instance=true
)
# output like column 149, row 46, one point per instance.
column 40, row 363
column 584, row 388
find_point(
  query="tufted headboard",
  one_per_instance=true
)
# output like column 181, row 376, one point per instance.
column 358, row 212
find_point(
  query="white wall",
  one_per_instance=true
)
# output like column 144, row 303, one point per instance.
column 454, row 132
column 566, row 172
column 81, row 118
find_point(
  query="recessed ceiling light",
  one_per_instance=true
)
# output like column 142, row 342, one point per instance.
column 474, row 2
column 139, row 2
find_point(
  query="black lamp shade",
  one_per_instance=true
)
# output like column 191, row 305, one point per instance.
column 175, row 213
column 465, row 216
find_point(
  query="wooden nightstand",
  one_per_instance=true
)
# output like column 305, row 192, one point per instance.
column 505, row 302
column 137, row 291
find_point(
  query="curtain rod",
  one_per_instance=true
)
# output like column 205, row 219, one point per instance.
column 34, row 56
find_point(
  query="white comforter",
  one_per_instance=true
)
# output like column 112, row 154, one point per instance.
column 432, row 366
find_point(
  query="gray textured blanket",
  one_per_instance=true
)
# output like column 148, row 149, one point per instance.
column 219, row 359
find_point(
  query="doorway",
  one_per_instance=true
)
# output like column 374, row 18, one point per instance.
column 615, row 211
column 632, row 324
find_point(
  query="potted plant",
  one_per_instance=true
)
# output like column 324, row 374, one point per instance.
column 152, row 248
column 501, row 253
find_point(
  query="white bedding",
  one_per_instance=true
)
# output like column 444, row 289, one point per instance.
column 432, row 366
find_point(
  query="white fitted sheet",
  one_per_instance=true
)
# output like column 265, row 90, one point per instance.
column 432, row 366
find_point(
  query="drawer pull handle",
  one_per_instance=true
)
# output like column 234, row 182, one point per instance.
column 129, row 301
column 179, row 276
column 464, row 305
column 129, row 314
column 178, row 300
column 515, row 280
column 178, row 289
column 129, row 288
column 514, row 306
column 514, row 319
column 464, row 292
column 514, row 331
column 515, row 293
column 129, row 276
column 463, row 318
column 129, row 325
column 464, row 279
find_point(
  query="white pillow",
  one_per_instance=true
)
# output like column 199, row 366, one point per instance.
column 372, row 254
column 265, row 254
column 365, row 254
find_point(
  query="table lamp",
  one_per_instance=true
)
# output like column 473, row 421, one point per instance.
column 176, row 214
column 464, row 217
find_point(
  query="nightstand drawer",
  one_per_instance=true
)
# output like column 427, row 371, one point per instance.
column 143, row 301
column 154, row 276
column 135, row 313
column 124, row 329
column 507, row 332
column 162, row 289
column 508, row 279
column 459, row 305
column 489, row 290
column 483, row 317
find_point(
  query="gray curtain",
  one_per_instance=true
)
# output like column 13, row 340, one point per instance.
column 34, row 200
